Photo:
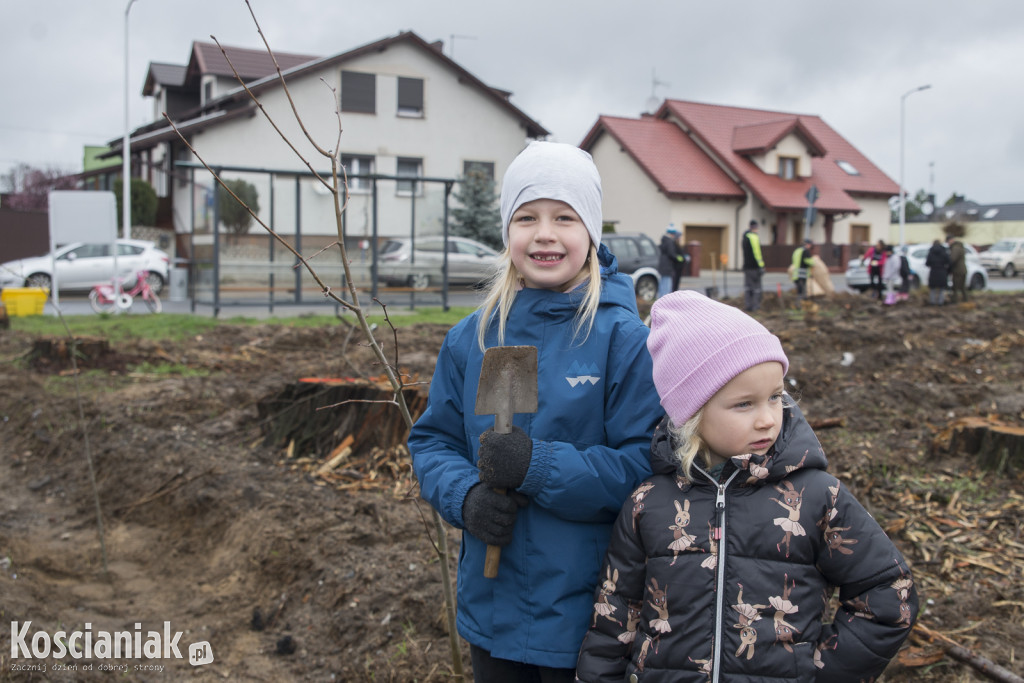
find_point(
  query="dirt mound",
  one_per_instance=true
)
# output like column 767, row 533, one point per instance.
column 294, row 573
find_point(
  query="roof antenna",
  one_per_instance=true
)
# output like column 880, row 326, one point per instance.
column 653, row 101
column 451, row 43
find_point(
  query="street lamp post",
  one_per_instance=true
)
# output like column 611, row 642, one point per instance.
column 903, row 201
column 126, row 152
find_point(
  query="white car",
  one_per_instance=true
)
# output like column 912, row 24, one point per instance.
column 1005, row 256
column 469, row 261
column 857, row 272
column 80, row 266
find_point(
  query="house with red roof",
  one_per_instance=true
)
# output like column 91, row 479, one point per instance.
column 711, row 169
column 404, row 118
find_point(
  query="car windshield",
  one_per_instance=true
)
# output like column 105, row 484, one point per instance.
column 390, row 246
column 1001, row 245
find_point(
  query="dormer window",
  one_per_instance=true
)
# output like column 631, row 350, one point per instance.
column 787, row 168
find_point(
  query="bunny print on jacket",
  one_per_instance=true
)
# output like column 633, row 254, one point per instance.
column 755, row 612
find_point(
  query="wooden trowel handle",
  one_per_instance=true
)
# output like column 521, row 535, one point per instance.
column 493, row 557
column 502, row 425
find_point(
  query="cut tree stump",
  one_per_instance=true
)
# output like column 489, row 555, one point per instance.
column 313, row 416
column 998, row 446
column 55, row 354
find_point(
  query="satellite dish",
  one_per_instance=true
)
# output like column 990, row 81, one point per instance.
column 652, row 104
column 927, row 208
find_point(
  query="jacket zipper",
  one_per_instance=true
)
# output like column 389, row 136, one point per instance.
column 719, row 536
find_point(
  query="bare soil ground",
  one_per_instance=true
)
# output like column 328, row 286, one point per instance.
column 294, row 576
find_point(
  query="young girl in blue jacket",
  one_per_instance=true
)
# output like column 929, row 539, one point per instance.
column 569, row 466
column 724, row 564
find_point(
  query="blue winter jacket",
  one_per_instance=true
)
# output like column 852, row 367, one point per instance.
column 596, row 415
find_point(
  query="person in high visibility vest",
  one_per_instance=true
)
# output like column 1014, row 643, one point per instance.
column 753, row 268
column 803, row 261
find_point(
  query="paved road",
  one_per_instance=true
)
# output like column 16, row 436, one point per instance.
column 729, row 284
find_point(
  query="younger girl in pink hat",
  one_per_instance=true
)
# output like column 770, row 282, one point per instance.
column 722, row 564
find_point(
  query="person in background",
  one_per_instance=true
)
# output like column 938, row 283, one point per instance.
column 938, row 275
column 722, row 563
column 957, row 267
column 890, row 274
column 904, row 292
column 753, row 268
column 670, row 260
column 874, row 258
column 682, row 265
column 567, row 467
column 803, row 261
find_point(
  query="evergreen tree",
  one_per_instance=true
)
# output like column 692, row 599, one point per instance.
column 478, row 216
column 233, row 215
column 144, row 202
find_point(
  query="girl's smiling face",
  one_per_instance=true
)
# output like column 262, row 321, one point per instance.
column 549, row 245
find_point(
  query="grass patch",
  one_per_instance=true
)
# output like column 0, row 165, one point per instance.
column 177, row 326
column 172, row 326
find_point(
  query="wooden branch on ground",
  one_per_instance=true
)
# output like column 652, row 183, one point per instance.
column 980, row 664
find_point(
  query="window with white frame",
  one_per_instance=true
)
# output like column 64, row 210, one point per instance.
column 358, row 165
column 409, row 168
column 787, row 168
column 410, row 97
column 358, row 92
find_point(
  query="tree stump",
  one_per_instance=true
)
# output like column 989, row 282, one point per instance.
column 313, row 416
column 998, row 446
column 89, row 352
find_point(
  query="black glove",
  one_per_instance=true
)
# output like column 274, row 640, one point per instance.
column 504, row 458
column 489, row 515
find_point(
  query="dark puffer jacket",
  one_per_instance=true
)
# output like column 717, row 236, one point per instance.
column 681, row 602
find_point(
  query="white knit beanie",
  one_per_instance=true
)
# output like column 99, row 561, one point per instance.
column 553, row 170
column 698, row 345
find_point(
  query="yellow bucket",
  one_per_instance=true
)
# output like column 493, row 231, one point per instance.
column 21, row 301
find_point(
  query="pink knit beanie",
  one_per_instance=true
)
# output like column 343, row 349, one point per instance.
column 698, row 345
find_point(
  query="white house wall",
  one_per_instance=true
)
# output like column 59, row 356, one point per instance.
column 631, row 199
column 793, row 147
column 874, row 213
column 459, row 124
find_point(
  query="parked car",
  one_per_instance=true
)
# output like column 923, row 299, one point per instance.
column 80, row 266
column 1005, row 256
column 857, row 272
column 469, row 261
column 637, row 255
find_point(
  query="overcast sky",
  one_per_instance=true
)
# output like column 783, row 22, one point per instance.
column 569, row 61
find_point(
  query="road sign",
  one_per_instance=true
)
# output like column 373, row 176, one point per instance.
column 812, row 194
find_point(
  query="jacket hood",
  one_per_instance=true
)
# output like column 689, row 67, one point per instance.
column 796, row 448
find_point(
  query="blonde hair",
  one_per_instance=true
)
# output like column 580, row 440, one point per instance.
column 506, row 282
column 687, row 443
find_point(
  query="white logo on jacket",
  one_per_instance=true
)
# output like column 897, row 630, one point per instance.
column 582, row 373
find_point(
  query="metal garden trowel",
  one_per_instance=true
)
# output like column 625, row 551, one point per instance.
column 508, row 385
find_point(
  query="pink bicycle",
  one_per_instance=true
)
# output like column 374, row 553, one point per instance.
column 104, row 297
